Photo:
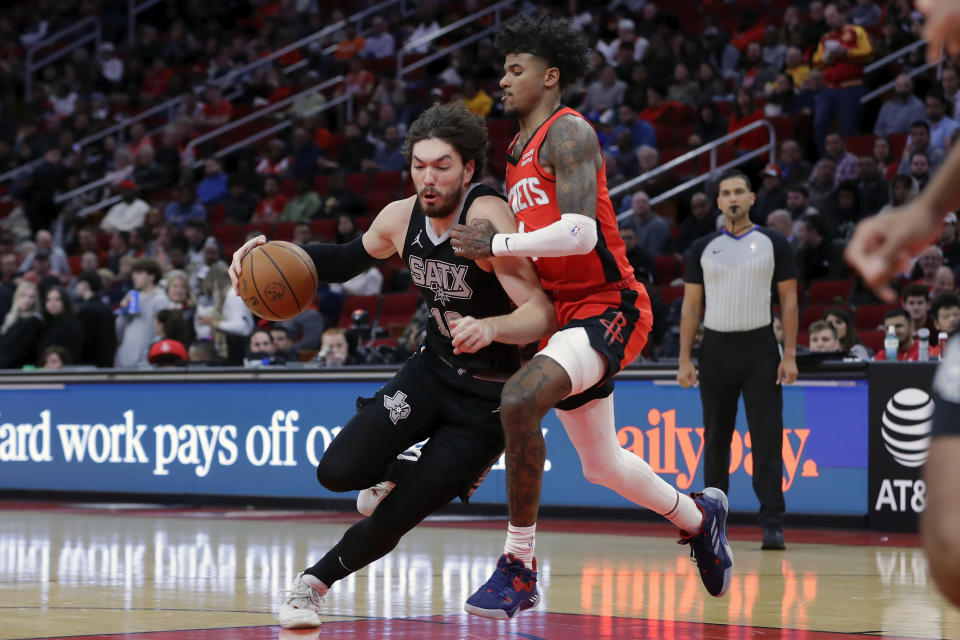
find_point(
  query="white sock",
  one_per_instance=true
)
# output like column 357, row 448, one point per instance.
column 686, row 514
column 315, row 583
column 521, row 542
column 593, row 432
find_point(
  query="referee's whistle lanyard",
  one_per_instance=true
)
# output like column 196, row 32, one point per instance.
column 742, row 233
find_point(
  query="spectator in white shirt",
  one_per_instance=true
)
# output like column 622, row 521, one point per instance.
column 379, row 44
column 422, row 30
column 627, row 36
column 111, row 65
column 129, row 213
column 43, row 243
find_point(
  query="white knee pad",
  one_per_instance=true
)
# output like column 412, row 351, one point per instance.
column 570, row 348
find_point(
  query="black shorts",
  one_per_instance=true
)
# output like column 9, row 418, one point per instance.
column 464, row 431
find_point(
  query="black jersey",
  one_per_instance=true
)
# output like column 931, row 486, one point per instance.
column 455, row 287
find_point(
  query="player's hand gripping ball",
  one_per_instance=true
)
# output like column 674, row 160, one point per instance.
column 278, row 280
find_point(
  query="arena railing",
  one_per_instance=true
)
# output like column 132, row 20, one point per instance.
column 67, row 40
column 135, row 8
column 259, row 113
column 346, row 99
column 408, row 47
column 172, row 104
column 896, row 55
column 714, row 171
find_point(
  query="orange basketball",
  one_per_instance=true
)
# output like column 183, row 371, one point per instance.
column 278, row 280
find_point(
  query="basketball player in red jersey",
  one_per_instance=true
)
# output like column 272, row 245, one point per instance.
column 567, row 226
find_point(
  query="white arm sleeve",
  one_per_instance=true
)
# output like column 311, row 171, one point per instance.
column 573, row 234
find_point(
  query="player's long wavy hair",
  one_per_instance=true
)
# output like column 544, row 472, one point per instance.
column 554, row 39
column 454, row 124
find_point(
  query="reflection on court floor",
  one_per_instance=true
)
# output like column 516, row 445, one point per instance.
column 216, row 575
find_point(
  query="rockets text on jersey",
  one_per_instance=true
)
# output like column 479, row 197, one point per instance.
column 527, row 192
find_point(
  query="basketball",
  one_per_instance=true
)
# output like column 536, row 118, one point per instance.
column 278, row 280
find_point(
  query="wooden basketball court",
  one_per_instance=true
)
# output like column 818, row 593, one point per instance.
column 145, row 573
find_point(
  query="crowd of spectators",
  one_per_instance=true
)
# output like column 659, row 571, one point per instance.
column 143, row 279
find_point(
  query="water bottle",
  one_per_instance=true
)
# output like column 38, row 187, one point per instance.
column 891, row 344
column 923, row 344
column 942, row 342
column 133, row 302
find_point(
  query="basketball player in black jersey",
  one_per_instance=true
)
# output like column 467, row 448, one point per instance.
column 449, row 391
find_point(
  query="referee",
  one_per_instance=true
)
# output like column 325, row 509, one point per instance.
column 733, row 270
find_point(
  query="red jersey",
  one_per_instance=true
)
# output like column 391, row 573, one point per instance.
column 578, row 284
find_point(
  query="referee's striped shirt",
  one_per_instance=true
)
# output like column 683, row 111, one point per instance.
column 738, row 274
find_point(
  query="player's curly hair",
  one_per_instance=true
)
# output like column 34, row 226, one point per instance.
column 454, row 124
column 553, row 39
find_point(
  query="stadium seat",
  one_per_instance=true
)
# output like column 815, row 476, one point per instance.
column 369, row 303
column 872, row 339
column 666, row 269
column 358, row 182
column 74, row 262
column 671, row 293
column 386, row 181
column 283, row 231
column 829, row 291
column 897, row 142
column 861, row 145
column 812, row 313
column 324, row 228
column 377, row 200
column 321, row 184
column 397, row 309
column 870, row 316
column 228, row 234
column 502, row 129
column 216, row 214
column 257, row 227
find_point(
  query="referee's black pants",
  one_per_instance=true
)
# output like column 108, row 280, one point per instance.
column 745, row 362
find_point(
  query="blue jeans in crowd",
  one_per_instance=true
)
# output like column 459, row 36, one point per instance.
column 840, row 104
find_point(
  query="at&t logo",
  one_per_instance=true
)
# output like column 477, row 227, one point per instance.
column 906, row 426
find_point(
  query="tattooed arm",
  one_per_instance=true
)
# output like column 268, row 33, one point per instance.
column 570, row 152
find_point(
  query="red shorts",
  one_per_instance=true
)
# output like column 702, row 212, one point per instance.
column 617, row 324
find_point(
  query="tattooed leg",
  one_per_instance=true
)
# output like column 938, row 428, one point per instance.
column 526, row 398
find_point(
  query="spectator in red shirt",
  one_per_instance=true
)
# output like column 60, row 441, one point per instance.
column 156, row 78
column 842, row 53
column 657, row 104
column 139, row 139
column 273, row 202
column 275, row 162
column 909, row 350
column 216, row 110
column 745, row 112
column 351, row 45
column 359, row 82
